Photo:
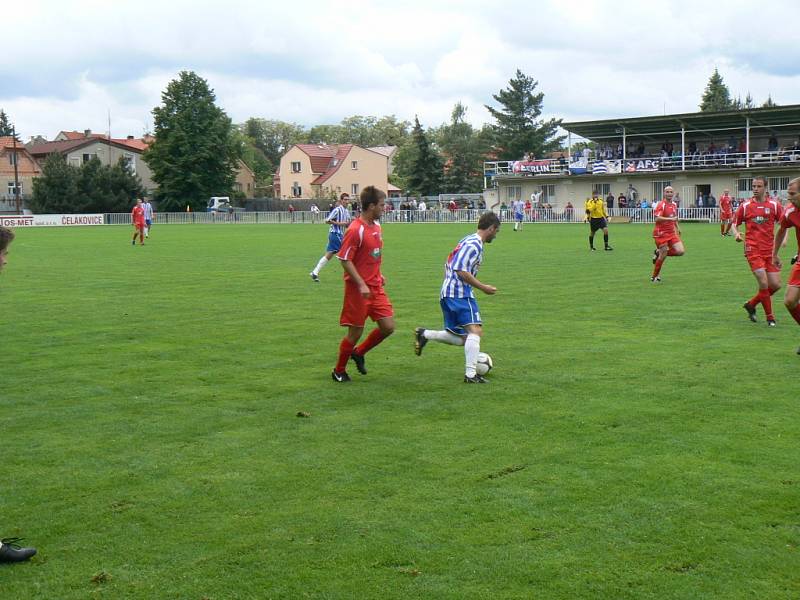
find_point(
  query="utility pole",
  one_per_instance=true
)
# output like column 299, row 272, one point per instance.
column 16, row 171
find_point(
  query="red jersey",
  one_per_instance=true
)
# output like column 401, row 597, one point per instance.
column 669, row 209
column 760, row 219
column 725, row 204
column 363, row 245
column 791, row 218
column 137, row 214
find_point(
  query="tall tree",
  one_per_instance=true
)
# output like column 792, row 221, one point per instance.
column 717, row 96
column 194, row 155
column 769, row 102
column 518, row 128
column 5, row 126
column 463, row 148
column 274, row 137
column 56, row 189
column 418, row 164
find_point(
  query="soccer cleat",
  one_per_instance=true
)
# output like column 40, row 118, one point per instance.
column 342, row 377
column 11, row 551
column 607, row 248
column 751, row 312
column 419, row 340
column 656, row 279
column 771, row 323
column 655, row 256
column 314, row 277
column 133, row 243
column 798, row 350
column 359, row 360
column 794, row 259
column 476, row 379
column 593, row 250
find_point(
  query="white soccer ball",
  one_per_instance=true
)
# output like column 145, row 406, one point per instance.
column 484, row 363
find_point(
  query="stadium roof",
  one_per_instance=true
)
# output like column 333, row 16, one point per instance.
column 692, row 122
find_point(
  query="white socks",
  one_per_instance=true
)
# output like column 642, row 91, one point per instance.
column 472, row 348
column 322, row 262
column 444, row 337
column 146, row 232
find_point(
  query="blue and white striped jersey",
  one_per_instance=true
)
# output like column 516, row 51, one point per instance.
column 466, row 256
column 148, row 210
column 339, row 213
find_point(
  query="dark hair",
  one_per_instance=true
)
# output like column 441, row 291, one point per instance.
column 487, row 220
column 371, row 195
column 6, row 237
column 762, row 178
column 344, row 195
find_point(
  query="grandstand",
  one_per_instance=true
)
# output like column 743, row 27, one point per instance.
column 698, row 154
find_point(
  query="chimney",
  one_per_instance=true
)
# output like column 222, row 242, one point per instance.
column 87, row 133
column 130, row 137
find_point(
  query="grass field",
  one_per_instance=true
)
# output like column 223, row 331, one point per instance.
column 636, row 440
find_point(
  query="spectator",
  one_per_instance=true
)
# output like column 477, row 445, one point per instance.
column 569, row 212
column 677, row 198
column 712, row 201
column 632, row 194
column 422, row 205
column 621, row 200
column 610, row 200
column 772, row 144
column 314, row 213
column 700, row 200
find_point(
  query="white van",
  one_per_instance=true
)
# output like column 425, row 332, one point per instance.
column 219, row 204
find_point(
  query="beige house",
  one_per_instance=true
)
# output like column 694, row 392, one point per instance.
column 14, row 154
column 324, row 171
column 245, row 180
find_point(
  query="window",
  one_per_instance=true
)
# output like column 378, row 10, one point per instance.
column 658, row 189
column 130, row 162
column 744, row 187
column 354, row 189
column 514, row 192
column 602, row 189
column 549, row 193
column 354, row 165
column 88, row 157
column 12, row 158
column 296, row 167
column 297, row 191
column 74, row 161
column 11, row 188
column 778, row 185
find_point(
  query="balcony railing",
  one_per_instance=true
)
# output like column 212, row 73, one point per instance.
column 642, row 164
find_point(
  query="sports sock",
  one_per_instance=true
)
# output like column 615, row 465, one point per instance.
column 657, row 268
column 766, row 301
column 795, row 312
column 605, row 239
column 472, row 347
column 345, row 350
column 444, row 337
column 322, row 262
column 755, row 300
column 722, row 228
column 374, row 338
column 591, row 241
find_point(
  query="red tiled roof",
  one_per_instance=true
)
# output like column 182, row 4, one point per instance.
column 68, row 145
column 320, row 155
column 136, row 144
column 78, row 135
column 7, row 141
column 334, row 165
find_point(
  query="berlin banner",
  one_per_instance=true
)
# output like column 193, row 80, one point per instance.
column 533, row 167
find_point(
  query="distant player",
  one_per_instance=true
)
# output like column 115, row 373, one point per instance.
column 148, row 216
column 360, row 255
column 137, row 217
column 462, row 318
column 791, row 218
column 760, row 215
column 518, row 208
column 598, row 219
column 725, row 213
column 339, row 219
column 666, row 232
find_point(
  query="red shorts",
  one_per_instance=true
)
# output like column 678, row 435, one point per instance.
column 667, row 240
column 761, row 262
column 794, row 278
column 725, row 216
column 356, row 308
column 138, row 225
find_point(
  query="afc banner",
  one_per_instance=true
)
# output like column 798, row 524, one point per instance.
column 533, row 167
column 50, row 220
column 643, row 165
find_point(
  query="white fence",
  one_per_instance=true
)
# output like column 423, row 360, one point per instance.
column 636, row 215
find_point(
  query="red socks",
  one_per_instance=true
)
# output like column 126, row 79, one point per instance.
column 657, row 268
column 345, row 350
column 374, row 338
column 766, row 301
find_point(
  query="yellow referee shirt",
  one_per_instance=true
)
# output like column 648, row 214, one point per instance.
column 596, row 208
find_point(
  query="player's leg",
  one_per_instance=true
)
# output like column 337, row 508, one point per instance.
column 135, row 233
column 792, row 301
column 472, row 347
column 676, row 249
column 379, row 310
column 452, row 334
column 592, row 231
column 354, row 315
column 329, row 252
column 773, row 285
column 760, row 274
column 662, row 252
column 605, row 238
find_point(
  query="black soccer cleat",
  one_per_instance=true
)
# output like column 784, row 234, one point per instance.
column 794, row 259
column 771, row 323
column 359, row 360
column 11, row 551
column 419, row 340
column 655, row 256
column 751, row 312
column 656, row 279
column 314, row 277
column 342, row 377
column 607, row 248
column 476, row 379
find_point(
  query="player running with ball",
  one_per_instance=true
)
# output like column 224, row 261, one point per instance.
column 462, row 318
column 790, row 218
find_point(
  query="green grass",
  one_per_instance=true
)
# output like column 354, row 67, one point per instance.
column 636, row 441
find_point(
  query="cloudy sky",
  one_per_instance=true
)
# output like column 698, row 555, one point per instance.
column 67, row 64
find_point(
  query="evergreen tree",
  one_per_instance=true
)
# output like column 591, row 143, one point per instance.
column 56, row 189
column 5, row 126
column 124, row 188
column 717, row 96
column 464, row 149
column 194, row 155
column 769, row 102
column 419, row 165
column 518, row 130
column 749, row 102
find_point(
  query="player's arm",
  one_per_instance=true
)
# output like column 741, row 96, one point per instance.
column 737, row 220
column 470, row 279
column 780, row 241
column 351, row 270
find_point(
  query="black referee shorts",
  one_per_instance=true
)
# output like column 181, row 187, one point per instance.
column 596, row 224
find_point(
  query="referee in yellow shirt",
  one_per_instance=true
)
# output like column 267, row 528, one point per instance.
column 596, row 213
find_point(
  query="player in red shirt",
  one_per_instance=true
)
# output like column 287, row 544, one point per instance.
column 725, row 213
column 361, row 252
column 760, row 215
column 666, row 232
column 790, row 218
column 137, row 216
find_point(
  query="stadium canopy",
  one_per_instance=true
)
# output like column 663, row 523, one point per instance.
column 688, row 123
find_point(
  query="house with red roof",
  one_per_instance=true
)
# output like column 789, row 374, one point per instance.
column 325, row 171
column 12, row 153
